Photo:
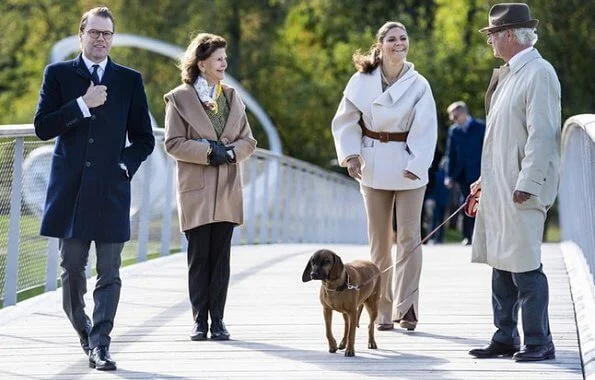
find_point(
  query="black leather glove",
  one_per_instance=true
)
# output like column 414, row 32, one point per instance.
column 219, row 154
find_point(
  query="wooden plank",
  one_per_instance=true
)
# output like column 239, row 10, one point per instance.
column 277, row 327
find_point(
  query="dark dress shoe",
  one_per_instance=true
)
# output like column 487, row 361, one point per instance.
column 385, row 327
column 101, row 360
column 409, row 320
column 218, row 330
column 84, row 339
column 199, row 331
column 535, row 353
column 494, row 350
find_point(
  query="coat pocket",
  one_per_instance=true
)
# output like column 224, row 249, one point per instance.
column 190, row 176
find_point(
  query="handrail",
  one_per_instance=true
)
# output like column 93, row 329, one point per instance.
column 286, row 201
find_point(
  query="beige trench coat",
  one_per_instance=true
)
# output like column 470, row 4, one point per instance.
column 520, row 152
column 206, row 194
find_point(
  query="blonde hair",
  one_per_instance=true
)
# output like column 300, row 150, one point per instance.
column 201, row 47
column 366, row 63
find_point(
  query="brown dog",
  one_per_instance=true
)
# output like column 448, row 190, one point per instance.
column 345, row 288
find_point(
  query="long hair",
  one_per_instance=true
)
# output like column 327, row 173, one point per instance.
column 201, row 47
column 366, row 63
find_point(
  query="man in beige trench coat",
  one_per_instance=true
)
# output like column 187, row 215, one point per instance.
column 518, row 182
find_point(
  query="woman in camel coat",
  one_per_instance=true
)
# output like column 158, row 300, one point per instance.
column 207, row 133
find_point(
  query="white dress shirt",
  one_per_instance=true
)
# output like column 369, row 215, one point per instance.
column 100, row 71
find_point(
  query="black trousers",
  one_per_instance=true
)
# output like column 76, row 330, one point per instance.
column 74, row 254
column 209, row 248
column 528, row 291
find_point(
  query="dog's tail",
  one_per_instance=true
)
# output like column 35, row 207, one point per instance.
column 359, row 313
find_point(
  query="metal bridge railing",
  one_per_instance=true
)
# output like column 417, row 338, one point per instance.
column 577, row 221
column 285, row 200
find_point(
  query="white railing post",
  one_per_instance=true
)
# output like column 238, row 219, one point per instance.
column 14, row 224
column 265, row 220
column 51, row 275
column 145, row 213
column 167, row 202
column 276, row 205
column 251, row 219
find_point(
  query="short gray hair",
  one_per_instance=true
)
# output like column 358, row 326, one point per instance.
column 457, row 105
column 525, row 36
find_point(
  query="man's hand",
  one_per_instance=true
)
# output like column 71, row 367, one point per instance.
column 520, row 196
column 95, row 96
column 354, row 168
column 475, row 186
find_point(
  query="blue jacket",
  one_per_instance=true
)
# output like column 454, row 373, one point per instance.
column 88, row 195
column 464, row 147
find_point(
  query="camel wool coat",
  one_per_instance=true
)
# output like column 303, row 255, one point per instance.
column 406, row 106
column 206, row 194
column 521, row 151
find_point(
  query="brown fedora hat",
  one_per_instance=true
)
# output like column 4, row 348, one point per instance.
column 509, row 15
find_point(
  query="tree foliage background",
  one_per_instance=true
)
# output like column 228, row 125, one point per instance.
column 295, row 56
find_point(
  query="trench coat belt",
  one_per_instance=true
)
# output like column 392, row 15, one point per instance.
column 383, row 136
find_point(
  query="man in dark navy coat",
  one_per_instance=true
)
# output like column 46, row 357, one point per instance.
column 91, row 105
column 464, row 145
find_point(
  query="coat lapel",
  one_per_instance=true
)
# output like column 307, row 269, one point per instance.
column 236, row 109
column 110, row 75
column 491, row 88
column 80, row 68
column 190, row 108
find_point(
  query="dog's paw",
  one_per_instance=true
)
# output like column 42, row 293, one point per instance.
column 372, row 345
column 342, row 344
column 332, row 345
column 350, row 352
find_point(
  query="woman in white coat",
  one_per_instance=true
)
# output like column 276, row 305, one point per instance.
column 385, row 133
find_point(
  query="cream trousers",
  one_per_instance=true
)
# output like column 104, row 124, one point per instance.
column 400, row 285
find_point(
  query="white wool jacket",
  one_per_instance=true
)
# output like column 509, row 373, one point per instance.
column 406, row 106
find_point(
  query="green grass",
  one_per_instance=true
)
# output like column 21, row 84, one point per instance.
column 40, row 289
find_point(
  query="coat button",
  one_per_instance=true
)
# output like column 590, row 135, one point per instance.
column 88, row 164
column 93, row 117
column 91, row 141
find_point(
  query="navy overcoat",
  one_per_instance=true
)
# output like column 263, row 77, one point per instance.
column 88, row 195
column 464, row 151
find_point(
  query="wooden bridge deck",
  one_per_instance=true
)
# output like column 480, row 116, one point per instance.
column 277, row 326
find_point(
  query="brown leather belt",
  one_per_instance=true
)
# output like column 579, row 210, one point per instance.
column 383, row 136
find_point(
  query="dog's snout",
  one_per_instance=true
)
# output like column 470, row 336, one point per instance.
column 317, row 275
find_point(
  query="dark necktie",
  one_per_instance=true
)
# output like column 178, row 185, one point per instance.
column 94, row 74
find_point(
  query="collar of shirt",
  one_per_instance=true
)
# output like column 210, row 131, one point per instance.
column 90, row 64
column 518, row 55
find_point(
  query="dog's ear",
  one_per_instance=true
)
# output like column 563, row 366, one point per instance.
column 337, row 268
column 306, row 275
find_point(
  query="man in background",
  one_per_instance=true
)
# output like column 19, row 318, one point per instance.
column 464, row 145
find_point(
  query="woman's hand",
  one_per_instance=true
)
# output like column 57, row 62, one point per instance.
column 410, row 175
column 354, row 167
